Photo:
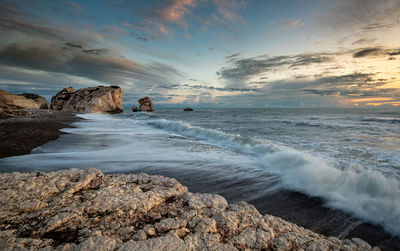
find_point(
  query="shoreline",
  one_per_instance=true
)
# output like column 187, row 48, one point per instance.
column 20, row 135
column 266, row 205
column 85, row 209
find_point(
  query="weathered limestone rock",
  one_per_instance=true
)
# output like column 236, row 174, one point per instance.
column 134, row 108
column 88, row 210
column 39, row 100
column 12, row 105
column 146, row 105
column 101, row 99
column 23, row 101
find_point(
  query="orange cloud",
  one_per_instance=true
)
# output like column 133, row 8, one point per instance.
column 177, row 10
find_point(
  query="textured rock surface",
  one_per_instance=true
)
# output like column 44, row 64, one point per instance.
column 24, row 101
column 101, row 99
column 87, row 210
column 146, row 105
column 12, row 105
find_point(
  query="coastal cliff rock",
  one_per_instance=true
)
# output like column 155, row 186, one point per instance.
column 101, row 99
column 146, row 105
column 88, row 210
column 12, row 105
column 23, row 101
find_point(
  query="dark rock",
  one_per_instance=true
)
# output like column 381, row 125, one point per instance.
column 89, row 100
column 146, row 105
column 188, row 109
column 135, row 109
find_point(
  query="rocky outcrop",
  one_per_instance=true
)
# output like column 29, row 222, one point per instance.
column 146, row 105
column 188, row 109
column 134, row 108
column 101, row 99
column 23, row 101
column 39, row 100
column 12, row 105
column 88, row 210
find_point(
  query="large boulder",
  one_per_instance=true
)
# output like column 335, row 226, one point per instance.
column 146, row 105
column 23, row 101
column 101, row 99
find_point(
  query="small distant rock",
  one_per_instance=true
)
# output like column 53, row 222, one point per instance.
column 100, row 99
column 135, row 109
column 146, row 105
column 188, row 109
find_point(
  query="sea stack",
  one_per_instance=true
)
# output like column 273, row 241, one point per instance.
column 146, row 105
column 100, row 99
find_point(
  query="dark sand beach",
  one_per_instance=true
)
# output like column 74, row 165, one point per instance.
column 19, row 135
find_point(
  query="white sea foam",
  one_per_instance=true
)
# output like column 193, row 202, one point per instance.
column 367, row 194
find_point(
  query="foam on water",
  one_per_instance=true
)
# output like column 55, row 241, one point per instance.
column 367, row 194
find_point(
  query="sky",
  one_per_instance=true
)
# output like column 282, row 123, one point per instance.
column 207, row 53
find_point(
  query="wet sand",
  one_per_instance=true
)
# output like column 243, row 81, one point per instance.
column 19, row 135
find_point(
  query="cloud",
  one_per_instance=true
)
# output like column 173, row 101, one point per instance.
column 98, row 65
column 241, row 70
column 376, row 52
column 213, row 88
column 368, row 52
column 174, row 10
column 291, row 23
column 365, row 15
column 77, row 7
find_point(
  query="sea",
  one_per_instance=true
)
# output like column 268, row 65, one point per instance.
column 334, row 171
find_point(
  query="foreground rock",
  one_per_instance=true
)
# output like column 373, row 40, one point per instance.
column 87, row 210
column 146, row 105
column 101, row 99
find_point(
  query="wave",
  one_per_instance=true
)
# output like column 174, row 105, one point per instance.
column 382, row 120
column 367, row 194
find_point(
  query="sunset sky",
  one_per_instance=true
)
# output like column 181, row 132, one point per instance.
column 207, row 53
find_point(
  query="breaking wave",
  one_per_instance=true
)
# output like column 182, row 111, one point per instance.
column 365, row 193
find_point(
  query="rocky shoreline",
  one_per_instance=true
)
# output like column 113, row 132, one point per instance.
column 88, row 210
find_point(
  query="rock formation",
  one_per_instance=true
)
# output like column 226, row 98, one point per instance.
column 23, row 101
column 88, row 210
column 188, row 109
column 99, row 99
column 146, row 105
column 16, row 104
column 134, row 108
